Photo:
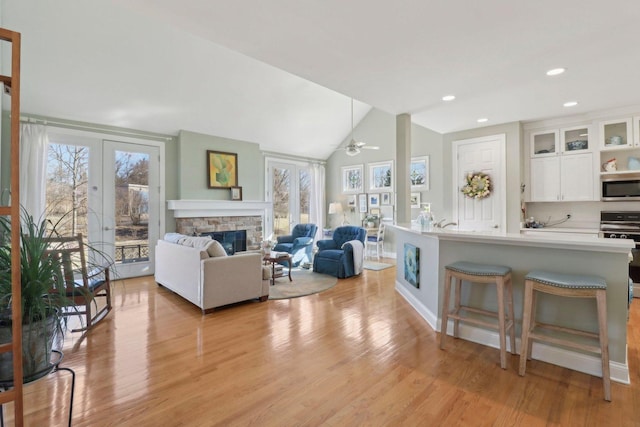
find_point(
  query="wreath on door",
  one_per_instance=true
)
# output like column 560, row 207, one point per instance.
column 477, row 186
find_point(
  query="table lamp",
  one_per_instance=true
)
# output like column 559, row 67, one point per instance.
column 336, row 208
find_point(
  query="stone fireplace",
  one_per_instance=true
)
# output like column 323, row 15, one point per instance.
column 208, row 216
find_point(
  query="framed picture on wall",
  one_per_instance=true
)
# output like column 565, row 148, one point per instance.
column 351, row 202
column 414, row 200
column 419, row 173
column 222, row 169
column 385, row 199
column 362, row 203
column 374, row 200
column 381, row 176
column 352, row 179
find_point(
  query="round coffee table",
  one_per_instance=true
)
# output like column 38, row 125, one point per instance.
column 275, row 258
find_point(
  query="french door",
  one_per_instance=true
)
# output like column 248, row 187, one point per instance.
column 110, row 192
column 131, row 206
column 289, row 188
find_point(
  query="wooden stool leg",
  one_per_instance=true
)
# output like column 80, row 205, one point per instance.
column 445, row 308
column 526, row 325
column 512, row 318
column 456, row 295
column 601, row 299
column 532, row 323
column 502, row 333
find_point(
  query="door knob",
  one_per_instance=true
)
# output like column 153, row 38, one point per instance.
column 107, row 228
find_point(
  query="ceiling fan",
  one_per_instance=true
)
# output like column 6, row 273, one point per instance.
column 353, row 147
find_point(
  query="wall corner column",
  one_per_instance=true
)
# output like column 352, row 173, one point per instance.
column 403, row 162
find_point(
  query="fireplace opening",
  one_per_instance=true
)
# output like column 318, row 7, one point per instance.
column 231, row 241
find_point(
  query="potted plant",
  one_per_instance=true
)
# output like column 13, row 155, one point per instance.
column 42, row 301
column 370, row 220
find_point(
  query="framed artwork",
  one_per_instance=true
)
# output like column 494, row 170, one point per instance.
column 351, row 202
column 414, row 200
column 419, row 173
column 385, row 199
column 236, row 193
column 374, row 200
column 381, row 176
column 222, row 169
column 374, row 211
column 412, row 264
column 362, row 203
column 352, row 178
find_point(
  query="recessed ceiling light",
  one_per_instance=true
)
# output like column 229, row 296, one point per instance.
column 570, row 104
column 448, row 97
column 555, row 71
column 482, row 120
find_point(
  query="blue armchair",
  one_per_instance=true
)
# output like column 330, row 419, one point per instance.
column 299, row 244
column 334, row 259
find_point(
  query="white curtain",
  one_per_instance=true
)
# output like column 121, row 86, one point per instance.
column 33, row 168
column 318, row 203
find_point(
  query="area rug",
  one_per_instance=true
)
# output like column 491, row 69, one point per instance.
column 305, row 282
column 373, row 265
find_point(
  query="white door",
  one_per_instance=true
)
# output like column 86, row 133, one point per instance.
column 131, row 206
column 485, row 155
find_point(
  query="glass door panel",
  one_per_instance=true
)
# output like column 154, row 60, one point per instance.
column 131, row 206
column 281, row 190
column 67, row 191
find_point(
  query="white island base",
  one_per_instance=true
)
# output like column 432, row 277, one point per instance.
column 607, row 258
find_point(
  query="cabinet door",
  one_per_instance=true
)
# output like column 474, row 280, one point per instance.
column 545, row 179
column 636, row 131
column 544, row 143
column 577, row 177
column 616, row 134
column 575, row 140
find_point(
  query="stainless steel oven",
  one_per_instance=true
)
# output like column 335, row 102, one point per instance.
column 624, row 225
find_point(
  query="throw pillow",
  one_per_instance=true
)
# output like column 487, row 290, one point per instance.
column 215, row 249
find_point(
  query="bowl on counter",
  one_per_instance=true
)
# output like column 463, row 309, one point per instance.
column 580, row 144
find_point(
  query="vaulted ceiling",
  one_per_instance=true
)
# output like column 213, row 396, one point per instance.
column 281, row 73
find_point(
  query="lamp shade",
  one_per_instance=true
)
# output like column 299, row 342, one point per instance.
column 335, row 208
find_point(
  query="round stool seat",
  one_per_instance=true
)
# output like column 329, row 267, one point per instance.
column 474, row 269
column 571, row 281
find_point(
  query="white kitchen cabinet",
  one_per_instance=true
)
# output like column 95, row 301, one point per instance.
column 545, row 143
column 575, row 140
column 616, row 134
column 562, row 178
column 636, row 131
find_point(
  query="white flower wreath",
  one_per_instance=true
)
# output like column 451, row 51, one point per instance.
column 478, row 186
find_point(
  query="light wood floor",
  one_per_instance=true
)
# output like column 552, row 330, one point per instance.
column 357, row 354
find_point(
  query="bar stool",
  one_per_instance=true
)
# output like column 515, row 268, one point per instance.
column 565, row 285
column 480, row 273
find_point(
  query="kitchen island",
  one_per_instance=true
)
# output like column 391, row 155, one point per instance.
column 608, row 258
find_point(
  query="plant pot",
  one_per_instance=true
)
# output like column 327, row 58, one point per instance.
column 37, row 342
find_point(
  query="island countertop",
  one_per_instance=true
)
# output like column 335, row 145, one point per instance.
column 435, row 248
column 545, row 240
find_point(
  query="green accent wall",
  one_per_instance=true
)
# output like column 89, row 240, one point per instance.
column 192, row 167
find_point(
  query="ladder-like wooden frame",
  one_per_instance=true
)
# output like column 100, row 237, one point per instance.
column 12, row 87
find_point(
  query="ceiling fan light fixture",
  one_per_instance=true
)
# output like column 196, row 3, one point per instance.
column 352, row 151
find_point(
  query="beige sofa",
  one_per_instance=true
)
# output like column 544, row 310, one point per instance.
column 210, row 281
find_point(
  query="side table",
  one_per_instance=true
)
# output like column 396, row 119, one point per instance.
column 275, row 259
column 54, row 366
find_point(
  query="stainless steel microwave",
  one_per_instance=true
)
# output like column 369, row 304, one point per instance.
column 620, row 187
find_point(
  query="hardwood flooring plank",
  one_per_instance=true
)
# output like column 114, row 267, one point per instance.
column 356, row 354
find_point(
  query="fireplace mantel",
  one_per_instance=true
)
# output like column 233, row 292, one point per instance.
column 216, row 208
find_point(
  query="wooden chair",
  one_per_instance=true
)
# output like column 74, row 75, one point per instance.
column 376, row 241
column 82, row 285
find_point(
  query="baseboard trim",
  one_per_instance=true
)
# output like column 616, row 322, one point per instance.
column 555, row 355
column 423, row 311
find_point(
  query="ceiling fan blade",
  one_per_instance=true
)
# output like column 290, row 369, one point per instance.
column 371, row 147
